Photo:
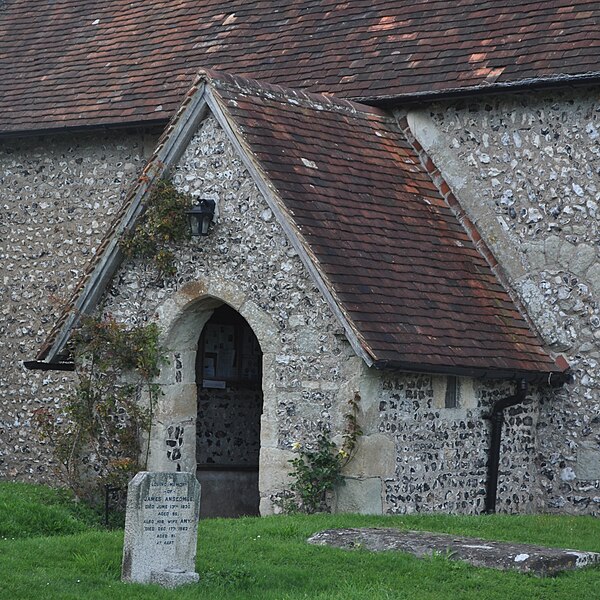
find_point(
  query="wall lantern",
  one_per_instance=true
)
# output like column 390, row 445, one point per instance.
column 200, row 216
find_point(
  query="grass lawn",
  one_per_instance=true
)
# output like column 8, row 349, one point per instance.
column 52, row 549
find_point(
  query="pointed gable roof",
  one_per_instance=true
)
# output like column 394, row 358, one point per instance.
column 396, row 265
column 71, row 63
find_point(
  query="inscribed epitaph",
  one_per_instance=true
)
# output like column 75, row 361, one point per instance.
column 161, row 527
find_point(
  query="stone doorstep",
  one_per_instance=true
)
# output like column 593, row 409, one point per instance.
column 525, row 558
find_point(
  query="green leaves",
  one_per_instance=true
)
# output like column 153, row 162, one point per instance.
column 316, row 472
column 163, row 223
column 97, row 437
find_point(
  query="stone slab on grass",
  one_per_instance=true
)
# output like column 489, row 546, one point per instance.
column 525, row 558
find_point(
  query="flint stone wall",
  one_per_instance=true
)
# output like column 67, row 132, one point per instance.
column 441, row 453
column 309, row 368
column 57, row 196
column 526, row 168
column 227, row 431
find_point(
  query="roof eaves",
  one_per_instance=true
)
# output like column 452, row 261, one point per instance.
column 553, row 377
column 521, row 85
column 71, row 129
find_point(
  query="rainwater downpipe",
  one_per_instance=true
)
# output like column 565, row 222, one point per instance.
column 497, row 419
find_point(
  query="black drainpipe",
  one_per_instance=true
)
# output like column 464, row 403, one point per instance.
column 497, row 419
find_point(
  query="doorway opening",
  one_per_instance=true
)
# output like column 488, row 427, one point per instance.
column 230, row 403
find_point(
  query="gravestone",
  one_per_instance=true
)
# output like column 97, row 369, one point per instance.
column 161, row 529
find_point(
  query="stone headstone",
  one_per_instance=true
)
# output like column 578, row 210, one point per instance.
column 161, row 529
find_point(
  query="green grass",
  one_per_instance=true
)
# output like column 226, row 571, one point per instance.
column 33, row 510
column 269, row 559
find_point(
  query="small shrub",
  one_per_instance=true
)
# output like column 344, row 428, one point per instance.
column 317, row 471
column 97, row 437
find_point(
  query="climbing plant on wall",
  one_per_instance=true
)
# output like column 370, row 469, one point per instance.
column 98, row 435
column 317, row 470
column 162, row 224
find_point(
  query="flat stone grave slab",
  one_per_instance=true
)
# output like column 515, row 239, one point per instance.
column 525, row 558
column 161, row 528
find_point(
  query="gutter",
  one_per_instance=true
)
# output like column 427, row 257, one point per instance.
column 40, row 365
column 497, row 419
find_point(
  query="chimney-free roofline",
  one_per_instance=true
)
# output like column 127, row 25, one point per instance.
column 99, row 127
column 381, row 100
column 491, row 89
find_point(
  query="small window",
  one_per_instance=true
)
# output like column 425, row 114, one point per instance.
column 451, row 399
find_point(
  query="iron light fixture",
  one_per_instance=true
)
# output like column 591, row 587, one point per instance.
column 200, row 216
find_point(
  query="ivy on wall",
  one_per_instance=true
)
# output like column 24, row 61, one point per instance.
column 163, row 223
column 98, row 435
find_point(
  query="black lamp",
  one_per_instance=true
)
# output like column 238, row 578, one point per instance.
column 200, row 216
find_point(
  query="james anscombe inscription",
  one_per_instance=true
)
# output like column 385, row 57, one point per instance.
column 167, row 512
column 161, row 527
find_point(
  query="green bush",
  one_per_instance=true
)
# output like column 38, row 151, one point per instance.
column 98, row 431
column 317, row 470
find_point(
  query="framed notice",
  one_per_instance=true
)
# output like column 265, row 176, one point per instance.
column 228, row 351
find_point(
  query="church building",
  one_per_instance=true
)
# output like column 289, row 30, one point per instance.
column 400, row 207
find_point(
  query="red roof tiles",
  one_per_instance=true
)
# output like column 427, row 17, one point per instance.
column 402, row 266
column 68, row 63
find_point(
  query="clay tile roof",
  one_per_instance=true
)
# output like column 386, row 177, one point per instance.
column 394, row 257
column 69, row 63
column 402, row 267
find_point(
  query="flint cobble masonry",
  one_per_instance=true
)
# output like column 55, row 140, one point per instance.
column 526, row 168
column 57, row 196
column 310, row 371
column 415, row 456
column 441, row 453
column 248, row 262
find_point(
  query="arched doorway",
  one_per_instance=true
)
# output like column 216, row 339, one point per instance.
column 230, row 403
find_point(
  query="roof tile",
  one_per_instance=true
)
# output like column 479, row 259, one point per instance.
column 73, row 63
column 404, row 268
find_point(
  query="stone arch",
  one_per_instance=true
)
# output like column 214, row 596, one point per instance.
column 182, row 318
